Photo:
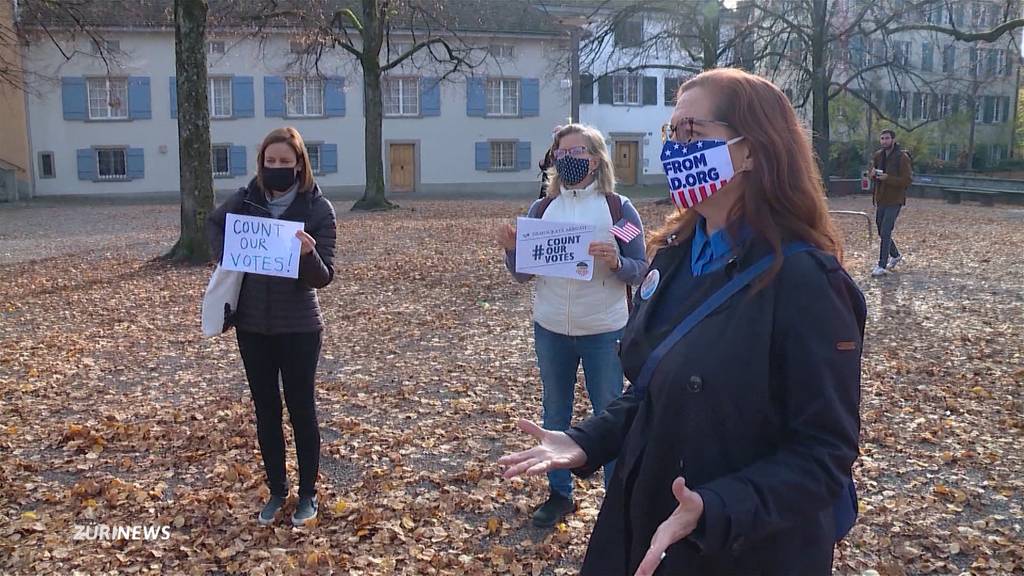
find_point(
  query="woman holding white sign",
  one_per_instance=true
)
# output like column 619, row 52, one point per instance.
column 278, row 321
column 736, row 436
column 578, row 320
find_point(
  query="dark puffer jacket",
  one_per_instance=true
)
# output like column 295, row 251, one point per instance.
column 271, row 304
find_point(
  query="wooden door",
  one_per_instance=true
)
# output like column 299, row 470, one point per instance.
column 625, row 162
column 403, row 168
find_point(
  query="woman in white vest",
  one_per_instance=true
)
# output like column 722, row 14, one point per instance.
column 578, row 320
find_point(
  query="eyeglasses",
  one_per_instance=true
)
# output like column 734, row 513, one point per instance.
column 575, row 152
column 685, row 126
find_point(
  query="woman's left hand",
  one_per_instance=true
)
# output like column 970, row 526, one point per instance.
column 678, row 526
column 308, row 243
column 605, row 253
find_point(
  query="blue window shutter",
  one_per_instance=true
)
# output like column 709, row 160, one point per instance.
column 483, row 156
column 135, row 166
column 139, row 98
column 430, row 96
column 237, row 161
column 243, row 101
column 273, row 97
column 476, row 100
column 86, row 164
column 334, row 96
column 523, row 160
column 328, row 158
column 531, row 97
column 174, row 97
column 73, row 98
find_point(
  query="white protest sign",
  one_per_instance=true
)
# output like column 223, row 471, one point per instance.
column 557, row 249
column 261, row 246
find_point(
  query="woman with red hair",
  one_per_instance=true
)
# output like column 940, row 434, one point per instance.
column 736, row 436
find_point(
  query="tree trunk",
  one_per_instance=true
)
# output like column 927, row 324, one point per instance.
column 972, row 109
column 373, row 37
column 821, row 137
column 195, row 172
column 373, row 197
column 711, row 32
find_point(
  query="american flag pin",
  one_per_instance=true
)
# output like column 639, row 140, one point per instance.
column 625, row 230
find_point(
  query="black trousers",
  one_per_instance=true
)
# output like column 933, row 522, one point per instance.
column 294, row 358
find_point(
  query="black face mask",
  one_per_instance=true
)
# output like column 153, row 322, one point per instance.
column 279, row 179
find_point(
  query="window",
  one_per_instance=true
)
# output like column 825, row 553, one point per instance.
column 46, row 167
column 220, row 159
column 877, row 54
column 503, row 155
column 504, row 51
column 921, row 106
column 927, row 57
column 998, row 111
column 991, row 62
column 401, row 97
column 396, row 49
column 904, row 108
column 949, row 59
column 111, row 164
column 626, row 90
column 946, row 105
column 976, row 58
column 984, row 15
column 855, row 51
column 901, row 49
column 108, row 98
column 215, row 48
column 305, row 97
column 503, row 97
column 220, row 97
column 105, row 46
column 979, row 116
column 671, row 89
column 629, row 32
column 997, row 153
column 313, row 151
column 1000, row 62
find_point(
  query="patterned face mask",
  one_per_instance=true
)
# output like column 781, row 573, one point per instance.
column 572, row 170
column 696, row 169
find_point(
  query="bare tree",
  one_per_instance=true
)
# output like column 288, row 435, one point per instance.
column 371, row 31
column 58, row 22
column 628, row 36
column 194, row 165
column 819, row 49
column 857, row 48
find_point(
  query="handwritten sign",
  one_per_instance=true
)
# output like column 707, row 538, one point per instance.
column 556, row 249
column 261, row 246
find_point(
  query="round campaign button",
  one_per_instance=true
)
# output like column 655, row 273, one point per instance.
column 650, row 284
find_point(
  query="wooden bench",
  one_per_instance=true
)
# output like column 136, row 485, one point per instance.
column 987, row 196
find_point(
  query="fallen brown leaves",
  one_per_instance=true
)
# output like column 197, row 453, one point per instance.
column 115, row 411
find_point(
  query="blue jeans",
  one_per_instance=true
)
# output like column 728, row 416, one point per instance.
column 558, row 357
column 885, row 220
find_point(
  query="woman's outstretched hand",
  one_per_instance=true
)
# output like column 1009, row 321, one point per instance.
column 678, row 526
column 554, row 450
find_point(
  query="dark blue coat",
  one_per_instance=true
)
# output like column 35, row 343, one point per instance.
column 758, row 406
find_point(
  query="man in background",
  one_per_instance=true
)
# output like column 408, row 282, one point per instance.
column 891, row 172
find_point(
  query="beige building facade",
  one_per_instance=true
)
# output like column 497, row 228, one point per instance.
column 15, row 178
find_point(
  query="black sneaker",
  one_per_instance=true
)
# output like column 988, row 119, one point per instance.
column 270, row 510
column 550, row 512
column 305, row 511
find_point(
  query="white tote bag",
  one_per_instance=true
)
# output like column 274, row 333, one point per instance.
column 220, row 300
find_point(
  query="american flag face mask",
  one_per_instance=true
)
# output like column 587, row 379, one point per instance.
column 696, row 169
